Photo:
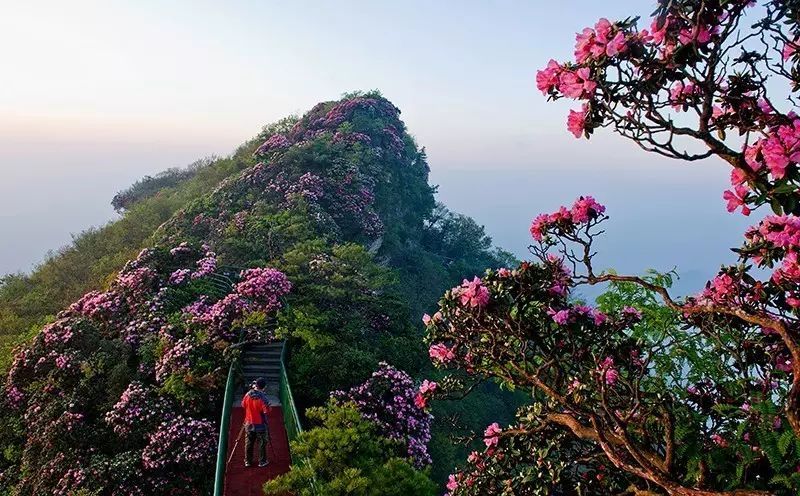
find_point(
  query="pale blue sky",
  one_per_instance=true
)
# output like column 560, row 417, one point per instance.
column 98, row 94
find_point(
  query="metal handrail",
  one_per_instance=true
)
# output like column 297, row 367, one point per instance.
column 291, row 417
column 224, row 425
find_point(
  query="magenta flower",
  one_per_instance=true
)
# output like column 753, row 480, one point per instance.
column 576, row 84
column 428, row 386
column 547, row 78
column 441, row 353
column 473, row 293
column 576, row 121
column 737, row 199
column 561, row 317
column 610, row 374
column 719, row 440
column 452, row 483
column 491, row 435
column 586, row 208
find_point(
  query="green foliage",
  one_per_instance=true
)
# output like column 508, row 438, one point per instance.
column 344, row 455
column 357, row 300
column 89, row 262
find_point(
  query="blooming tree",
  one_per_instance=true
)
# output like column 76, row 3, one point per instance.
column 713, row 406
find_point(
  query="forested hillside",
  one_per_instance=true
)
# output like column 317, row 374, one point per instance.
column 323, row 231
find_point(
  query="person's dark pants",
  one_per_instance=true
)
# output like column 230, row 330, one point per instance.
column 262, row 437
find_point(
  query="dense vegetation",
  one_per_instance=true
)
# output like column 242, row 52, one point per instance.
column 335, row 204
column 646, row 394
column 27, row 301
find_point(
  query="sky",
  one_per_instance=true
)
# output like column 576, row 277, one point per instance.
column 96, row 94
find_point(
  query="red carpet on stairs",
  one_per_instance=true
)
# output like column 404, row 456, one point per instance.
column 241, row 481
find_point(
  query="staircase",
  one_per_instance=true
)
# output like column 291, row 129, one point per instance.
column 261, row 360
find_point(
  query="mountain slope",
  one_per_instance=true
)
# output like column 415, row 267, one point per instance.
column 337, row 207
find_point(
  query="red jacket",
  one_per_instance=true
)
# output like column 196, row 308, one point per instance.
column 256, row 407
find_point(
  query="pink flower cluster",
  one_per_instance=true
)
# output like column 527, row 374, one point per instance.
column 604, row 40
column 180, row 250
column 577, row 83
column 181, row 441
column 175, row 358
column 583, row 210
column 426, row 389
column 681, row 94
column 722, row 289
column 776, row 151
column 608, row 372
column 576, row 120
column 567, row 315
column 388, row 399
column 206, row 265
column 440, row 353
column 472, row 293
column 309, row 186
column 275, row 142
column 139, row 408
column 98, row 305
column 264, row 286
column 491, row 436
column 179, row 276
column 351, row 138
column 57, row 333
column 344, row 110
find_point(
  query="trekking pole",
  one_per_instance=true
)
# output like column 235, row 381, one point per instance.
column 238, row 438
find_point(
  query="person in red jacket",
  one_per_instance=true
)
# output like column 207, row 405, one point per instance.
column 256, row 407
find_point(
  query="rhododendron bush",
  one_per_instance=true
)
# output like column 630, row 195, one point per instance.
column 389, row 400
column 120, row 393
column 709, row 404
column 303, row 240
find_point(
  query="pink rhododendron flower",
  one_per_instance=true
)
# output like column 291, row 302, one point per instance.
column 547, row 78
column 738, row 177
column 599, row 317
column 538, row 226
column 560, row 317
column 452, row 484
column 632, row 313
column 658, row 35
column 473, row 293
column 586, row 208
column 583, row 45
column 736, row 199
column 610, row 374
column 441, row 353
column 697, row 34
column 428, row 386
column 503, row 272
column 617, row 45
column 719, row 440
column 680, row 94
column 426, row 319
column 600, row 41
column 490, row 435
column 576, row 121
column 577, row 83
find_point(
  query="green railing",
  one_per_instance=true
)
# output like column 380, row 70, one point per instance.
column 290, row 416
column 224, row 426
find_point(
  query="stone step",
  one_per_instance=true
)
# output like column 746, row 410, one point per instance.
column 263, row 353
